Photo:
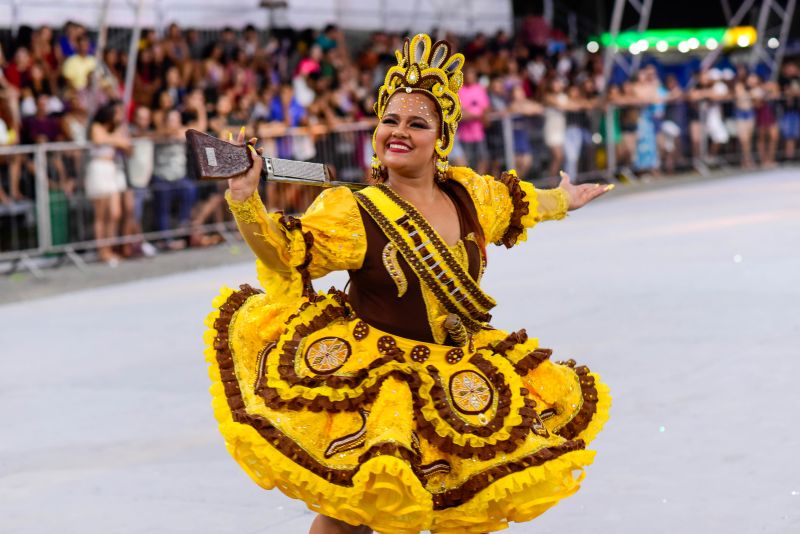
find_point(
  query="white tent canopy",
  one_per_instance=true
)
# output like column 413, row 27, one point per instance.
column 460, row 16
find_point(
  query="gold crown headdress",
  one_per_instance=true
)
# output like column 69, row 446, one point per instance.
column 435, row 71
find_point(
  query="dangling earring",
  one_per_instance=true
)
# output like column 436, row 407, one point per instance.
column 441, row 169
column 379, row 172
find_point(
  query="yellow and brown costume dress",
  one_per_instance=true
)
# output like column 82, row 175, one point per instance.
column 363, row 404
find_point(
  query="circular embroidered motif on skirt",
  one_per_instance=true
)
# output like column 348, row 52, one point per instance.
column 454, row 355
column 386, row 344
column 420, row 353
column 361, row 330
column 326, row 355
column 471, row 392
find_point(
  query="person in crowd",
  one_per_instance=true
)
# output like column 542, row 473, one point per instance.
column 522, row 108
column 170, row 181
column 745, row 113
column 140, row 173
column 105, row 176
column 177, row 51
column 39, row 84
column 17, row 71
column 79, row 66
column 162, row 106
column 68, row 41
column 674, row 125
column 609, row 126
column 243, row 80
column 765, row 96
column 789, row 85
column 556, row 103
column 498, row 108
column 697, row 104
column 718, row 134
column 475, row 108
column 44, row 50
column 575, row 118
column 646, row 93
column 9, row 136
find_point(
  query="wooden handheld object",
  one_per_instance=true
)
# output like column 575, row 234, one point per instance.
column 215, row 159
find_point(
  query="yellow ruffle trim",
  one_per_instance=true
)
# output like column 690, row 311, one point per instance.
column 530, row 219
column 386, row 495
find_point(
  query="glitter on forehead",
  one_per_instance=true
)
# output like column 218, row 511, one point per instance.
column 413, row 105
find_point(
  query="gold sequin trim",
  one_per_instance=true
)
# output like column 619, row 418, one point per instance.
column 389, row 256
column 350, row 441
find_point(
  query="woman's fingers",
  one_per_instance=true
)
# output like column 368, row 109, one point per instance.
column 565, row 179
column 589, row 192
column 240, row 137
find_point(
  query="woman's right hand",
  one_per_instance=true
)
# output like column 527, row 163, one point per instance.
column 244, row 185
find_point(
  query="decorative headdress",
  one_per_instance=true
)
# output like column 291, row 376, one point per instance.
column 435, row 71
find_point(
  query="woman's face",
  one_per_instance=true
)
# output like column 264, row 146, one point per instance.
column 407, row 134
column 119, row 116
column 165, row 101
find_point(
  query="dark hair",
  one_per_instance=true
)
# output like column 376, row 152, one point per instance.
column 105, row 115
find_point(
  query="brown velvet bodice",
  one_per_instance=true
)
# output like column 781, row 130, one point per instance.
column 373, row 293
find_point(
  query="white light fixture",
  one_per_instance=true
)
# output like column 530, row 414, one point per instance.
column 711, row 43
column 592, row 47
column 634, row 48
column 743, row 41
column 644, row 44
column 662, row 46
column 683, row 47
column 694, row 43
column 773, row 43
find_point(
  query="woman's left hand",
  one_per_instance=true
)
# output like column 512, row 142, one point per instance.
column 580, row 195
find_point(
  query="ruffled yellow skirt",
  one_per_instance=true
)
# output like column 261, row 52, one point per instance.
column 403, row 436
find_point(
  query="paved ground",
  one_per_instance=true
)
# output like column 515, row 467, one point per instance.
column 686, row 299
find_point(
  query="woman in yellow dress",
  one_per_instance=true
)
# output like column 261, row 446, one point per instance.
column 397, row 407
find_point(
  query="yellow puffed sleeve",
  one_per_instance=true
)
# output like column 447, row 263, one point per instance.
column 330, row 236
column 340, row 241
column 507, row 206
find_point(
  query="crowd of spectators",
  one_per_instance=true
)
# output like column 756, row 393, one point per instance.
column 301, row 92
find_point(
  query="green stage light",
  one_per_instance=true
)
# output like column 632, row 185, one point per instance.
column 683, row 39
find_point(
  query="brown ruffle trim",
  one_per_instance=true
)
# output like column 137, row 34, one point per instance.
column 442, row 405
column 528, row 362
column 321, row 403
column 532, row 360
column 293, row 223
column 584, row 416
column 521, row 208
column 344, row 477
column 465, row 492
column 512, row 340
column 288, row 373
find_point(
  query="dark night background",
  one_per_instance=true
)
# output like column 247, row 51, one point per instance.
column 595, row 15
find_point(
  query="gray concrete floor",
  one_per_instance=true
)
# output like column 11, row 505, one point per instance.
column 686, row 299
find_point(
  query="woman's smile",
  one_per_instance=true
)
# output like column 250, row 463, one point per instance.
column 400, row 147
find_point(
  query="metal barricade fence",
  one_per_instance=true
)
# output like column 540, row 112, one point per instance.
column 60, row 213
column 611, row 143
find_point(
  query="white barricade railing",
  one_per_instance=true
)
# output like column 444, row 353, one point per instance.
column 347, row 148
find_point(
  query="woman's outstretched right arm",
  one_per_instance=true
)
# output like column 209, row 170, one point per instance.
column 261, row 232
